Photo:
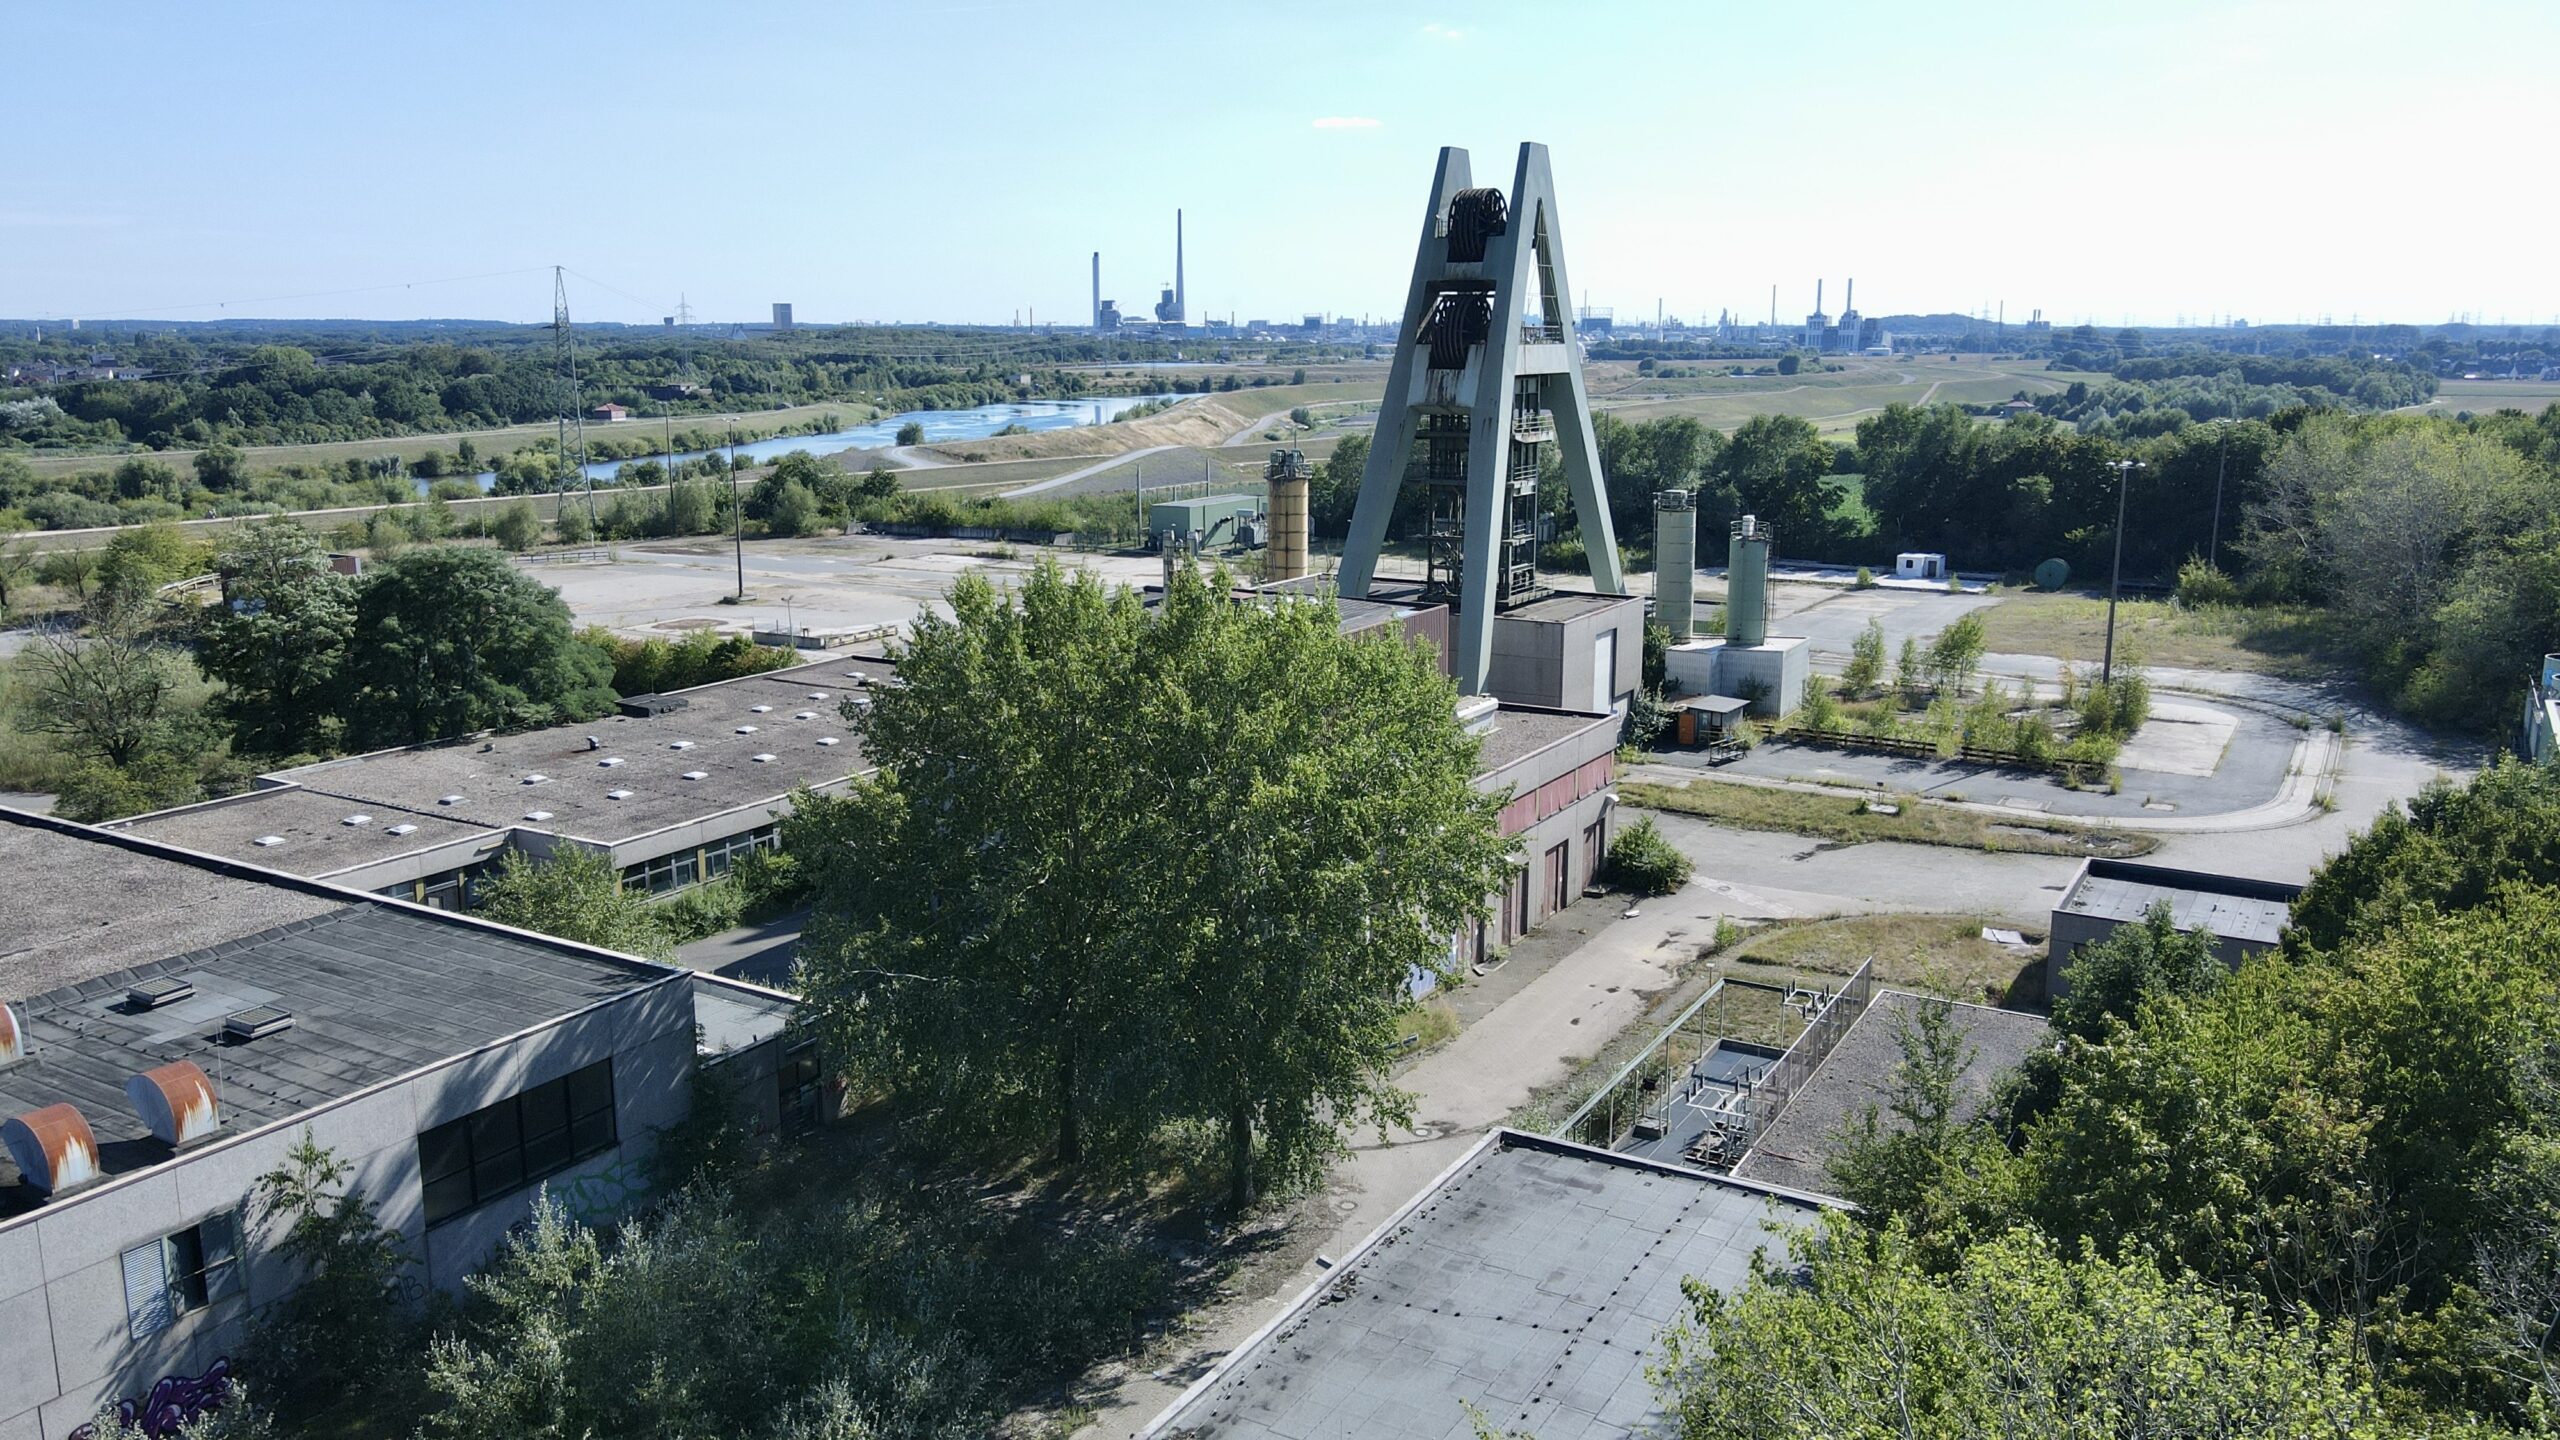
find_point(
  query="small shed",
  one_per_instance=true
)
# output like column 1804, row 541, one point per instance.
column 611, row 412
column 1700, row 719
column 1920, row 565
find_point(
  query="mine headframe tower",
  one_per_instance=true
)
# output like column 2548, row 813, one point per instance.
column 1486, row 377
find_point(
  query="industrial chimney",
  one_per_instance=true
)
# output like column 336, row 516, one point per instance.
column 1287, row 473
column 1179, row 314
column 1097, row 290
column 1675, row 574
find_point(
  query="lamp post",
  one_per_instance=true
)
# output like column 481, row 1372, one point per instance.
column 2221, row 468
column 2124, row 481
column 737, row 512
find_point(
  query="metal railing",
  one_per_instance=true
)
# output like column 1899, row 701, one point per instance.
column 1541, row 334
column 1822, row 1031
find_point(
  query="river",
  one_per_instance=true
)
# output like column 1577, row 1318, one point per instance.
column 940, row 427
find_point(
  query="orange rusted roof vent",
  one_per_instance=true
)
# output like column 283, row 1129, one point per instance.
column 177, row 1102
column 13, row 1037
column 53, row 1147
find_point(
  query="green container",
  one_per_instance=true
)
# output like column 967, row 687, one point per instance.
column 1746, row 584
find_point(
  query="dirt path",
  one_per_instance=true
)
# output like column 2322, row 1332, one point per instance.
column 1099, row 466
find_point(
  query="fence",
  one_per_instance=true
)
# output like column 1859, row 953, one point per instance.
column 1926, row 749
column 1614, row 1106
column 1822, row 1031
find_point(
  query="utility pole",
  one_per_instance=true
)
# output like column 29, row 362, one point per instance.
column 2115, row 578
column 737, row 512
column 2222, row 468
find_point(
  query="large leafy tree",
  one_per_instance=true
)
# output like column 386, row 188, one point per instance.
column 575, row 894
column 1776, row 465
column 280, row 642
column 1125, row 870
column 451, row 639
column 2451, row 850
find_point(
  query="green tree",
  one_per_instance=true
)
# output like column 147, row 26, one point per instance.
column 1335, row 491
column 1775, row 465
column 279, row 646
column 110, row 697
column 1957, row 652
column 517, row 527
column 2452, row 849
column 911, row 433
column 1865, row 670
column 575, row 894
column 71, row 570
column 18, row 562
column 221, row 467
column 1888, row 1167
column 794, row 511
column 343, row 1332
column 451, row 639
column 2107, row 980
column 137, row 561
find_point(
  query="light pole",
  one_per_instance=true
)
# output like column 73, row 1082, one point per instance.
column 737, row 512
column 2221, row 468
column 2124, row 481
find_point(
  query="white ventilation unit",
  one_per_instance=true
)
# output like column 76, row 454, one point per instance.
column 266, row 841
column 746, row 729
column 759, row 709
column 175, row 1102
column 828, row 740
column 805, row 715
column 610, row 761
column 817, row 694
column 617, row 794
column 403, row 829
column 448, row 799
column 762, row 759
column 537, row 815
column 537, row 780
column 357, row 820
column 697, row 774
column 679, row 744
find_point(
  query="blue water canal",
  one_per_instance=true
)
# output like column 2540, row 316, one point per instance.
column 940, row 427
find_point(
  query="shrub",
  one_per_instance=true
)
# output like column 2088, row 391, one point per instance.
column 2203, row 584
column 702, row 910
column 911, row 433
column 1865, row 669
column 1644, row 862
column 1819, row 711
column 1866, row 578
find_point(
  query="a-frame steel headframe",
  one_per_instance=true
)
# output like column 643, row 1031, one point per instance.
column 1486, row 374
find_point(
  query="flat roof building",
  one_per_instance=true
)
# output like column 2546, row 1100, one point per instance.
column 1532, row 1279
column 177, row 1022
column 2243, row 916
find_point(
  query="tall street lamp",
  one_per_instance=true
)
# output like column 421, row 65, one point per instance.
column 737, row 512
column 2115, row 578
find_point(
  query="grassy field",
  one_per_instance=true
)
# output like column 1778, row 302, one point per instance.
column 2271, row 640
column 492, row 444
column 2482, row 396
column 1847, row 820
column 1934, row 954
column 1833, row 401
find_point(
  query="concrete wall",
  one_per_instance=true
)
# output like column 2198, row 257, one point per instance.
column 65, row 1346
column 1550, row 663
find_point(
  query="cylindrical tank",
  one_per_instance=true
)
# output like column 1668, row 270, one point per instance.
column 1675, row 555
column 1746, row 584
column 1286, row 559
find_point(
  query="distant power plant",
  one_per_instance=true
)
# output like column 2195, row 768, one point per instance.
column 1849, row 335
column 1172, row 308
column 1169, row 305
column 782, row 315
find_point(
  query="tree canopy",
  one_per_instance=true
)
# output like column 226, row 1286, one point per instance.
column 450, row 639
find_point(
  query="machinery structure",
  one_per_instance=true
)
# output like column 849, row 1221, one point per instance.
column 1287, row 474
column 1486, row 375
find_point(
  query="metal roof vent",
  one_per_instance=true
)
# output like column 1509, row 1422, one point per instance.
column 537, row 780
column 176, row 1102
column 357, row 820
column 448, row 799
column 759, row 709
column 617, row 794
column 54, row 1148
column 257, row 1022
column 610, row 761
column 829, row 740
column 679, row 744
column 817, row 694
column 746, row 729
column 762, row 759
column 269, row 841
column 697, row 774
column 537, row 814
column 804, row 715
column 152, row 994
column 13, row 1037
column 404, row 828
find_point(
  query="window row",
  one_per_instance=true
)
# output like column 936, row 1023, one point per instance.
column 507, row 1146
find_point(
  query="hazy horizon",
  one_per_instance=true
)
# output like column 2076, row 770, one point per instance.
column 283, row 159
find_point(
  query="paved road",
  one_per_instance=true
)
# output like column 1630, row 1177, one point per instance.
column 1088, row 472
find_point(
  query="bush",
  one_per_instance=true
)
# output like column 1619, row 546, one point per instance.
column 2202, row 584
column 770, row 880
column 911, row 433
column 1866, row 579
column 1644, row 862
column 702, row 910
column 1819, row 711
column 517, row 527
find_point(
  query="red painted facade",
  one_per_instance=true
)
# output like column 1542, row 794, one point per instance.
column 1559, row 794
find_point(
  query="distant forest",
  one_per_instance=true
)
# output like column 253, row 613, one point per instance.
column 191, row 388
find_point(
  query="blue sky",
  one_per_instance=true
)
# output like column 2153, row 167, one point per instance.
column 908, row 160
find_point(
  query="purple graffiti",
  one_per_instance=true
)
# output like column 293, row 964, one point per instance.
column 173, row 1402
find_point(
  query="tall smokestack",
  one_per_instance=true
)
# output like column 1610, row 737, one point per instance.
column 1097, row 290
column 1179, row 313
column 1849, row 300
column 1773, row 307
column 1817, row 297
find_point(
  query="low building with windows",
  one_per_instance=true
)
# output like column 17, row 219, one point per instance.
column 672, row 790
column 172, row 1024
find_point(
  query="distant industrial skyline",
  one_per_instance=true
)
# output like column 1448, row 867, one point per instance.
column 2278, row 161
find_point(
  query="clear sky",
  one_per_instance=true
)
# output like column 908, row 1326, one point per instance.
column 911, row 160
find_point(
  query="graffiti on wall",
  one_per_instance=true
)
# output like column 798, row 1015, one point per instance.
column 173, row 1402
column 600, row 1198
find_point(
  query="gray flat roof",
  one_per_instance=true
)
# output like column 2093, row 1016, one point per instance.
column 377, row 990
column 731, row 1015
column 70, row 912
column 1532, row 1281
column 316, row 840
column 2248, row 910
column 1567, row 605
column 1518, row 734
column 1796, row 1151
column 490, row 774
